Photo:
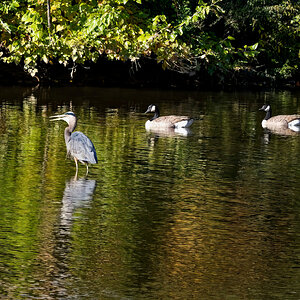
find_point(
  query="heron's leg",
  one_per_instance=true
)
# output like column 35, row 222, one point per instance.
column 87, row 169
column 75, row 159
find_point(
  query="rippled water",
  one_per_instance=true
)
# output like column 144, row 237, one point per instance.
column 210, row 213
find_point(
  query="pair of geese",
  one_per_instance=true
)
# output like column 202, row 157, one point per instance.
column 81, row 148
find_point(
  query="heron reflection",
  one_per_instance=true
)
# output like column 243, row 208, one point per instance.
column 77, row 197
column 79, row 146
column 77, row 194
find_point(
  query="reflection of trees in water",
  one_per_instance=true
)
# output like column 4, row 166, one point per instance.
column 175, row 212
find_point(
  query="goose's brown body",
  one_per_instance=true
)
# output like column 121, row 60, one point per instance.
column 171, row 121
column 281, row 121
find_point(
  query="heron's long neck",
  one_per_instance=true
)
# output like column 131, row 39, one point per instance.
column 69, row 130
column 268, row 114
column 156, row 114
column 68, row 133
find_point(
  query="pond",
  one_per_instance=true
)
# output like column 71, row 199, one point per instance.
column 209, row 213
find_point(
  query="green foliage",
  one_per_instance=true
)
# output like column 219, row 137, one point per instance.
column 274, row 25
column 182, row 35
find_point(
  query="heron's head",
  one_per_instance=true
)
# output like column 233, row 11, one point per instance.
column 69, row 117
column 151, row 108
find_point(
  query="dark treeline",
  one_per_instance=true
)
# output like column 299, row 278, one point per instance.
column 185, row 42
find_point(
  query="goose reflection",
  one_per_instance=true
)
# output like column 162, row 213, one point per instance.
column 279, row 131
column 170, row 132
column 284, row 131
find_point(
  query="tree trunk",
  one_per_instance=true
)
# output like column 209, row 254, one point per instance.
column 48, row 14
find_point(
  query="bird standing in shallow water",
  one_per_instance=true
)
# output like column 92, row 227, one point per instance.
column 79, row 146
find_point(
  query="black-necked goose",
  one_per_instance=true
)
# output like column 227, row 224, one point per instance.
column 281, row 121
column 166, row 121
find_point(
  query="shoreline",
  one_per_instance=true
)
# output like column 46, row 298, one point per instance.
column 148, row 75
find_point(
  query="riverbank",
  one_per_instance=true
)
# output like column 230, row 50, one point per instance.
column 146, row 73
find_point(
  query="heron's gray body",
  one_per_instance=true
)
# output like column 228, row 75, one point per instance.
column 79, row 146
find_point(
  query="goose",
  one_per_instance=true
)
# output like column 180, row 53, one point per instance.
column 281, row 121
column 166, row 121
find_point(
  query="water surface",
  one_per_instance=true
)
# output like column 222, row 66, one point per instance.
column 210, row 213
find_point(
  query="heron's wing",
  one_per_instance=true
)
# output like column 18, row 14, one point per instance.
column 82, row 148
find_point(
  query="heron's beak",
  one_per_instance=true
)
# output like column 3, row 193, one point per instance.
column 262, row 108
column 147, row 111
column 57, row 117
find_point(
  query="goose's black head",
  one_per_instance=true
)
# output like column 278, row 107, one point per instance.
column 154, row 109
column 151, row 108
column 266, row 107
column 268, row 110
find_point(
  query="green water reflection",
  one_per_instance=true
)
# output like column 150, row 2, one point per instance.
column 213, row 214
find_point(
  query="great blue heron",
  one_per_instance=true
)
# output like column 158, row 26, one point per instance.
column 79, row 146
